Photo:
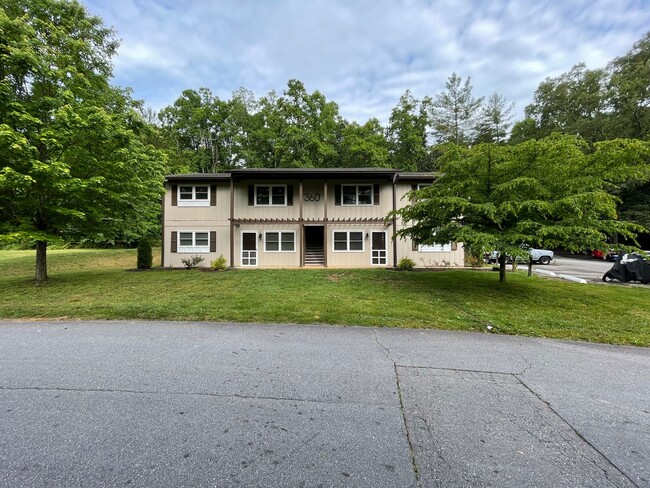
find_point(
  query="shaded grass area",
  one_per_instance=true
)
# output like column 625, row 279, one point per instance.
column 95, row 284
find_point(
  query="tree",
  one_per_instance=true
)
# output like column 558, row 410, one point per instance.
column 629, row 91
column 407, row 134
column 363, row 145
column 549, row 193
column 573, row 103
column 495, row 119
column 72, row 163
column 455, row 112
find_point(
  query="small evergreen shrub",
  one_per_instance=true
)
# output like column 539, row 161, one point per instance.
column 405, row 264
column 192, row 261
column 145, row 254
column 219, row 263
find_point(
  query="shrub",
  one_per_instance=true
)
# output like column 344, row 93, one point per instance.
column 405, row 264
column 145, row 254
column 219, row 263
column 192, row 261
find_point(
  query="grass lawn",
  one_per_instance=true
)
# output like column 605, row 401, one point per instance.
column 95, row 284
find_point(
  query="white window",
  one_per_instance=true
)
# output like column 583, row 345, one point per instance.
column 270, row 195
column 194, row 196
column 435, row 247
column 282, row 241
column 193, row 242
column 348, row 241
column 357, row 194
column 423, row 185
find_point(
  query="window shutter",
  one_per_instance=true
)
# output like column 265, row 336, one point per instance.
column 174, row 195
column 251, row 195
column 375, row 192
column 337, row 194
column 413, row 188
column 213, row 241
column 414, row 246
column 290, row 195
column 454, row 246
column 213, row 195
column 174, row 242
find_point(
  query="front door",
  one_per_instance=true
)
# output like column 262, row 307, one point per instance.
column 249, row 248
column 378, row 248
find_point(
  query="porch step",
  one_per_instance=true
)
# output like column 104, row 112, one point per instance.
column 314, row 256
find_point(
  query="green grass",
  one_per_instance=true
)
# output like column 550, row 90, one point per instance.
column 95, row 284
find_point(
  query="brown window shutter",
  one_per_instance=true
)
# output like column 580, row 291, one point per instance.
column 414, row 246
column 337, row 194
column 251, row 195
column 375, row 192
column 413, row 188
column 290, row 195
column 174, row 195
column 454, row 246
column 213, row 195
column 174, row 242
column 213, row 241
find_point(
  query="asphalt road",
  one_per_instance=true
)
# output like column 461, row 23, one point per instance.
column 585, row 267
column 197, row 404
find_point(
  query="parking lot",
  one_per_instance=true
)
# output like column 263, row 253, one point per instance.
column 585, row 267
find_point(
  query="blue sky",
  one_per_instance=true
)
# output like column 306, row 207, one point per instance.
column 362, row 54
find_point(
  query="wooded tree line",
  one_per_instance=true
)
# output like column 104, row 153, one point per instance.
column 297, row 128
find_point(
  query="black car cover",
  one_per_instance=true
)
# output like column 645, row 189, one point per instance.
column 629, row 267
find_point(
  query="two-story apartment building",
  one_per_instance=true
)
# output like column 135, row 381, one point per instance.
column 295, row 217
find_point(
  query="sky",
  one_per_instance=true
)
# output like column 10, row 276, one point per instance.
column 361, row 54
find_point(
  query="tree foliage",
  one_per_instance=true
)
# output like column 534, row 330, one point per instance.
column 550, row 192
column 72, row 163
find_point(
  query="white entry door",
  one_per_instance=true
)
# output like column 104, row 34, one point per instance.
column 249, row 248
column 378, row 248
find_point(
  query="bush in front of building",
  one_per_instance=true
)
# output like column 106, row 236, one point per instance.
column 145, row 254
column 406, row 264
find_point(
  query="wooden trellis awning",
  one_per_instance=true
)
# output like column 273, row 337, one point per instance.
column 311, row 221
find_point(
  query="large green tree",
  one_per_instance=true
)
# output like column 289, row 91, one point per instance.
column 551, row 192
column 407, row 134
column 72, row 163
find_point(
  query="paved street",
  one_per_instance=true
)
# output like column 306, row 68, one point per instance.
column 585, row 267
column 160, row 404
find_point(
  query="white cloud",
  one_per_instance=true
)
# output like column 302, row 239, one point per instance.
column 363, row 54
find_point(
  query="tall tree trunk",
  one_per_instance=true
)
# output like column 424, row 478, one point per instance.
column 41, row 263
column 502, row 267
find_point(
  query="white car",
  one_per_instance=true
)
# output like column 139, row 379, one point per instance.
column 541, row 256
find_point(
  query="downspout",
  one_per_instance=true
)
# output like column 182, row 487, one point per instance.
column 301, row 229
column 394, row 221
column 162, row 240
column 232, row 222
column 325, row 248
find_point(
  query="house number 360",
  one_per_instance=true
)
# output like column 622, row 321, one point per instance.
column 312, row 197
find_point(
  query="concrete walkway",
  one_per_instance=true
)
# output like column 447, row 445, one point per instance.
column 194, row 404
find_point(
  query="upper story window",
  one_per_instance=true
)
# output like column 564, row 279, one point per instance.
column 267, row 195
column 361, row 194
column 193, row 196
column 357, row 194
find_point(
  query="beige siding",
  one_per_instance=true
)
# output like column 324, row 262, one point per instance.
column 424, row 259
column 356, row 259
column 269, row 259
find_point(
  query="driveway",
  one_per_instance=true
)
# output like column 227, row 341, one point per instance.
column 160, row 404
column 585, row 267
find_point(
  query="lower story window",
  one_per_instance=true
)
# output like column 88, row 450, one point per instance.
column 435, row 248
column 348, row 241
column 280, row 241
column 193, row 242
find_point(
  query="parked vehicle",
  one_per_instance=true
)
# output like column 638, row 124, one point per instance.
column 629, row 267
column 541, row 256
